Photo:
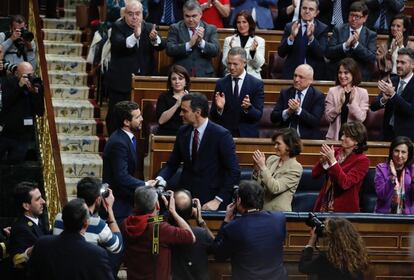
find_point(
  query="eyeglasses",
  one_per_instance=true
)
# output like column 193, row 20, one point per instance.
column 355, row 16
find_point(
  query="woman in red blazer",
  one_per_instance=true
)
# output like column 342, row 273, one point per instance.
column 344, row 168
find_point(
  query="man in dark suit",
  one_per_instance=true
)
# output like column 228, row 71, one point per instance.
column 287, row 11
column 192, row 43
column 300, row 106
column 133, row 43
column 27, row 228
column 69, row 255
column 334, row 12
column 253, row 241
column 381, row 12
column 207, row 150
column 22, row 100
column 238, row 102
column 354, row 40
column 397, row 98
column 305, row 41
column 119, row 158
column 160, row 13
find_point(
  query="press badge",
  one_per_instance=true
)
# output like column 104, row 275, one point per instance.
column 28, row 122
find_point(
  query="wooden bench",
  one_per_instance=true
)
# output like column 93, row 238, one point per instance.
column 386, row 238
column 161, row 147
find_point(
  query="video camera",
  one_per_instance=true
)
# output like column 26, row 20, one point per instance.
column 314, row 222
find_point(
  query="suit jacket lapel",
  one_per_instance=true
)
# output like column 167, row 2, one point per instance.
column 187, row 137
column 204, row 139
column 308, row 97
column 132, row 151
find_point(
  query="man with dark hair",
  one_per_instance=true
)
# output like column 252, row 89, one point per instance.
column 207, row 150
column 238, row 101
column 99, row 232
column 300, row 106
column 27, row 228
column 192, row 43
column 69, row 255
column 397, row 98
column 22, row 100
column 18, row 43
column 120, row 158
column 305, row 41
column 133, row 44
column 253, row 241
column 191, row 261
column 148, row 238
column 354, row 40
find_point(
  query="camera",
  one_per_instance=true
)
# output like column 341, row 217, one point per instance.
column 9, row 67
column 160, row 190
column 104, row 191
column 26, row 35
column 314, row 222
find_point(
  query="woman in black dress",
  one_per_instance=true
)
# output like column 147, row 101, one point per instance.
column 168, row 104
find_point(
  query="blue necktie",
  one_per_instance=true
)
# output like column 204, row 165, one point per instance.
column 134, row 143
column 303, row 44
column 168, row 12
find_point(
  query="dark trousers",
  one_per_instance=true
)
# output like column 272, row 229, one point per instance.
column 15, row 150
column 114, row 97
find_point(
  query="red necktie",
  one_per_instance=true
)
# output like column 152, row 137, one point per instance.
column 194, row 147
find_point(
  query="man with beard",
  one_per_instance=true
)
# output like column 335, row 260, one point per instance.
column 120, row 158
column 101, row 232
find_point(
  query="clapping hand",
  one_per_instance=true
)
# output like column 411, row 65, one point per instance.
column 220, row 100
column 310, row 31
column 294, row 30
column 246, row 102
column 259, row 159
column 386, row 88
column 328, row 153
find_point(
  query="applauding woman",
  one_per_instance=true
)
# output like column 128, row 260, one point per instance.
column 280, row 174
column 394, row 179
column 344, row 169
column 168, row 104
column 244, row 37
column 344, row 255
column 346, row 102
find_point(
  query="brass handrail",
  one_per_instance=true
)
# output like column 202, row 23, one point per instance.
column 54, row 184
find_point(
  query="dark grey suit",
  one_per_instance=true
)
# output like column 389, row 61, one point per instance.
column 198, row 60
column 363, row 54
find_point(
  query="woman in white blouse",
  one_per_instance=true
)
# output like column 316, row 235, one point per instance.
column 245, row 37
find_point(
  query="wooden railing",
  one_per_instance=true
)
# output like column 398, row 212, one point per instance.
column 54, row 183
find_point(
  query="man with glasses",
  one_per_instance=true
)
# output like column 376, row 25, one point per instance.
column 305, row 41
column 22, row 100
column 133, row 43
column 354, row 40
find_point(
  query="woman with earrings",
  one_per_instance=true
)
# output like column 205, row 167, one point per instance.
column 168, row 104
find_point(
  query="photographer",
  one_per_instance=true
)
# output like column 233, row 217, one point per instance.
column 191, row 261
column 22, row 100
column 148, row 238
column 18, row 44
column 344, row 255
column 254, row 241
column 99, row 232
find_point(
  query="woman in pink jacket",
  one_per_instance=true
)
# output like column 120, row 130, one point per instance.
column 346, row 102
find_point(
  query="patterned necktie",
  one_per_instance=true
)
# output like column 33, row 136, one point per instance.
column 194, row 147
column 337, row 13
column 236, row 87
column 168, row 12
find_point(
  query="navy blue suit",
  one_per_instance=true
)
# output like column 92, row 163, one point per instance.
column 315, row 51
column 216, row 169
column 68, row 256
column 254, row 242
column 309, row 119
column 240, row 123
column 119, row 164
column 402, row 106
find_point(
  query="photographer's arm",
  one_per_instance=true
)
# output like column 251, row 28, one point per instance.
column 108, row 204
column 200, row 220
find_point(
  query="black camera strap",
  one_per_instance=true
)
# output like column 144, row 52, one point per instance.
column 155, row 246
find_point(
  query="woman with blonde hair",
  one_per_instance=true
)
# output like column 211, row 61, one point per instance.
column 343, row 255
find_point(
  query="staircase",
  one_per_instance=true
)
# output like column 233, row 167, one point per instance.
column 76, row 116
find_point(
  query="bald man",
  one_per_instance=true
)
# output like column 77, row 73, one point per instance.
column 301, row 106
column 22, row 100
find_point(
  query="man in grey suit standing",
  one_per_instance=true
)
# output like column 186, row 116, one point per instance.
column 192, row 43
column 354, row 40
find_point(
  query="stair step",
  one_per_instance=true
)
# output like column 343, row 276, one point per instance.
column 70, row 13
column 71, row 4
column 75, row 126
column 78, row 144
column 62, row 35
column 69, row 49
column 62, row 23
column 67, row 78
column 65, row 63
column 74, row 109
column 71, row 187
column 69, row 91
column 81, row 165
